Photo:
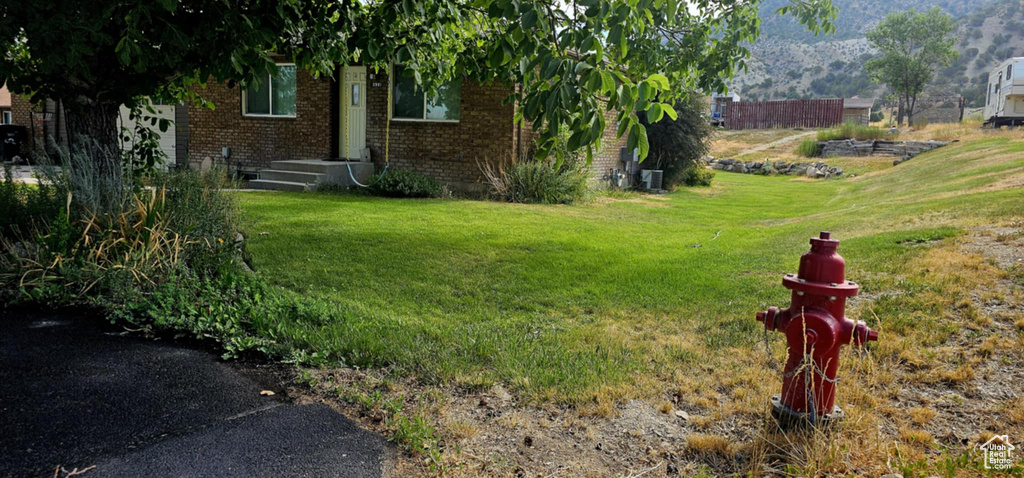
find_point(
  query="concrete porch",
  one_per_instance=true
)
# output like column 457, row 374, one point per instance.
column 309, row 174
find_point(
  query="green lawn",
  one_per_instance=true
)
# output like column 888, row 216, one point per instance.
column 608, row 299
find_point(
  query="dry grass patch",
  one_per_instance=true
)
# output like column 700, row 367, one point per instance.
column 1013, row 411
column 460, row 428
column 728, row 144
column 916, row 437
column 708, row 445
column 921, row 415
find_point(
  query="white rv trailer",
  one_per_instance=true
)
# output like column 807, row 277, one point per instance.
column 1004, row 101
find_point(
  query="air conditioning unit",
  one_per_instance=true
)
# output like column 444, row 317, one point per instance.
column 651, row 179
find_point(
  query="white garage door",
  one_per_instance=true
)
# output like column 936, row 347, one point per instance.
column 167, row 138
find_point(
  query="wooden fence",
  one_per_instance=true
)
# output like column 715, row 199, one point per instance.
column 784, row 114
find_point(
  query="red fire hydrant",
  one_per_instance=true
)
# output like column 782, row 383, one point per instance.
column 816, row 327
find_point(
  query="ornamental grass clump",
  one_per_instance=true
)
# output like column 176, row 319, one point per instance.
column 809, row 148
column 538, row 181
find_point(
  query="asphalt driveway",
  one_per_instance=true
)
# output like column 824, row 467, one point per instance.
column 76, row 393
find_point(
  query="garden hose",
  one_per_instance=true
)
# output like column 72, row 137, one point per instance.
column 387, row 137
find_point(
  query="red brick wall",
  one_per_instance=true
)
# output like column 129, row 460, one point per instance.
column 605, row 159
column 448, row 152
column 256, row 141
column 21, row 115
column 609, row 156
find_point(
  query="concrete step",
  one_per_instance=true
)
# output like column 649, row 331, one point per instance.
column 279, row 185
column 306, row 166
column 291, row 176
column 334, row 172
column 320, row 166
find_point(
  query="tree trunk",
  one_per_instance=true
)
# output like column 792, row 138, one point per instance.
column 93, row 133
column 911, row 103
column 96, row 122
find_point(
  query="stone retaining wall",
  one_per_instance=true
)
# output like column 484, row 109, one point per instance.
column 901, row 149
column 812, row 170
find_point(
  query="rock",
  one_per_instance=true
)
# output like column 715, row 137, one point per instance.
column 812, row 172
column 892, row 475
column 718, row 166
column 839, row 171
column 682, row 414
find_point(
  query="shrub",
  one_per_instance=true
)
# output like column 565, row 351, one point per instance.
column 877, row 116
column 809, row 148
column 196, row 206
column 676, row 146
column 693, row 175
column 542, row 181
column 854, row 131
column 406, row 184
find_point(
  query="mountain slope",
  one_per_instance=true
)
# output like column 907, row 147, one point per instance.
column 788, row 62
column 855, row 16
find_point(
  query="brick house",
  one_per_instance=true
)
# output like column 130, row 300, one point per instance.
column 297, row 118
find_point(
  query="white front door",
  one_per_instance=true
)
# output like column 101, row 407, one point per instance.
column 352, row 127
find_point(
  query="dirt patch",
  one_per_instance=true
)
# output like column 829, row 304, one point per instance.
column 1015, row 181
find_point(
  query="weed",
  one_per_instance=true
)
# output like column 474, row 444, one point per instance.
column 809, row 148
column 854, row 131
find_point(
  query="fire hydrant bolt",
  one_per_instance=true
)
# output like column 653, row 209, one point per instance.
column 816, row 328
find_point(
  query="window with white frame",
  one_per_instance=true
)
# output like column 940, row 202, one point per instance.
column 274, row 96
column 7, row 118
column 409, row 103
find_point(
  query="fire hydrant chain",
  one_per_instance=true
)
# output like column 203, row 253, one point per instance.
column 816, row 329
column 768, row 351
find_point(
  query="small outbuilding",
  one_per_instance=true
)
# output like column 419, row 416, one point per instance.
column 719, row 103
column 857, row 110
